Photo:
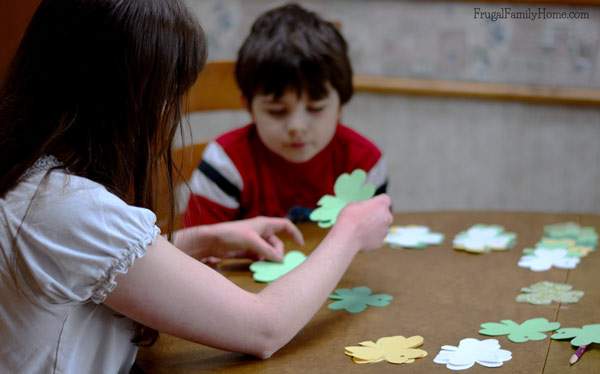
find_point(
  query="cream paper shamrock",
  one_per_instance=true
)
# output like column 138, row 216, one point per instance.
column 532, row 329
column 412, row 237
column 544, row 259
column 348, row 188
column 484, row 238
column 546, row 292
column 583, row 236
column 267, row 271
column 393, row 349
column 357, row 299
column 470, row 351
column 569, row 244
column 588, row 334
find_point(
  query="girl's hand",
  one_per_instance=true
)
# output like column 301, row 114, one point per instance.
column 254, row 238
column 367, row 220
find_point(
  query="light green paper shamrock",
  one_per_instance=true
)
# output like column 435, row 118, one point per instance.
column 266, row 271
column 356, row 300
column 532, row 329
column 348, row 188
column 583, row 236
column 588, row 334
column 562, row 230
column 546, row 292
column 573, row 250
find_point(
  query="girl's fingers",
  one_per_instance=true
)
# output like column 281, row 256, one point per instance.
column 285, row 225
column 276, row 243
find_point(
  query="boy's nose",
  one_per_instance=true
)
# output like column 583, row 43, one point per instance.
column 296, row 124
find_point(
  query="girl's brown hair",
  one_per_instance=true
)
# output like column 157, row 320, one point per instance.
column 99, row 84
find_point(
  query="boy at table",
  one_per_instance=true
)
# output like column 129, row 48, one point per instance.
column 295, row 75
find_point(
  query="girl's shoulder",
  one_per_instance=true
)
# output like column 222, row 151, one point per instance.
column 74, row 235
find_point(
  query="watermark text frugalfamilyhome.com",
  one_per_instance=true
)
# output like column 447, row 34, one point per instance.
column 531, row 14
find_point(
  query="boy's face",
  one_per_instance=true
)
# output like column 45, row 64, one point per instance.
column 296, row 128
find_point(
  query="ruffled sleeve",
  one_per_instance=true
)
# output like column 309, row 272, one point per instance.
column 77, row 237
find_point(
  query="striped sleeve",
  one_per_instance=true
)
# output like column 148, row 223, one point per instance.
column 378, row 176
column 216, row 187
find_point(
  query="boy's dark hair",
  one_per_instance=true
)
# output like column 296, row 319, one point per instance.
column 291, row 47
column 99, row 85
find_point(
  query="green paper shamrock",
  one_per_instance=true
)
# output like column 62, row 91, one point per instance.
column 356, row 300
column 562, row 230
column 583, row 236
column 573, row 250
column 588, row 334
column 266, row 271
column 348, row 188
column 546, row 292
column 531, row 329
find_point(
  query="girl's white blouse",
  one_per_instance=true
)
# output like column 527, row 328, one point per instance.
column 72, row 238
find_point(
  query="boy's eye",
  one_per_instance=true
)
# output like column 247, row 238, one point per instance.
column 315, row 109
column 276, row 112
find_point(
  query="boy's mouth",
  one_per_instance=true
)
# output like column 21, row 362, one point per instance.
column 296, row 145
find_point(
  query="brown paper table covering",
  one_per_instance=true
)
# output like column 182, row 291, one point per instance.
column 439, row 293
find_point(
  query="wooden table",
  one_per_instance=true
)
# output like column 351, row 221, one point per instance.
column 439, row 293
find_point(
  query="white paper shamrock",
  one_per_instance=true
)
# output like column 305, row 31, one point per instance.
column 469, row 351
column 412, row 237
column 483, row 238
column 544, row 259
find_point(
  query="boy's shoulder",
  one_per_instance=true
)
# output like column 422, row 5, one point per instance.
column 356, row 143
column 236, row 138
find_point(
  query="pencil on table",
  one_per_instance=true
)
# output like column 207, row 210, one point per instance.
column 577, row 355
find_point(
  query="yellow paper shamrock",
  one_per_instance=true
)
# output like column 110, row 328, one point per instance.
column 393, row 349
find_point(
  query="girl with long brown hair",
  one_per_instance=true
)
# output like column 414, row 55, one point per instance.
column 88, row 112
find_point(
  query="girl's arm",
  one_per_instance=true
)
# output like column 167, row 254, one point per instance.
column 169, row 291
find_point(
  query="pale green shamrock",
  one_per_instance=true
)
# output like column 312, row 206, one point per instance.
column 563, row 230
column 546, row 292
column 588, row 334
column 356, row 300
column 266, row 271
column 532, row 329
column 573, row 250
column 348, row 188
column 583, row 236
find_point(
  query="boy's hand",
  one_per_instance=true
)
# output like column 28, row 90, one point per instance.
column 254, row 238
column 368, row 220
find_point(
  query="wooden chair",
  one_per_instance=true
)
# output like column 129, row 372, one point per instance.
column 215, row 89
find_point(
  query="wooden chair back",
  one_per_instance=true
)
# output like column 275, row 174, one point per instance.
column 215, row 89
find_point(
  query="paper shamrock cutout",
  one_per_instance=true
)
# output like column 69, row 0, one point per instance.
column 469, row 351
column 266, row 271
column 412, row 237
column 484, row 238
column 543, row 259
column 356, row 300
column 393, row 349
column 532, row 329
column 588, row 334
column 570, row 245
column 546, row 292
column 348, row 188
column 583, row 236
